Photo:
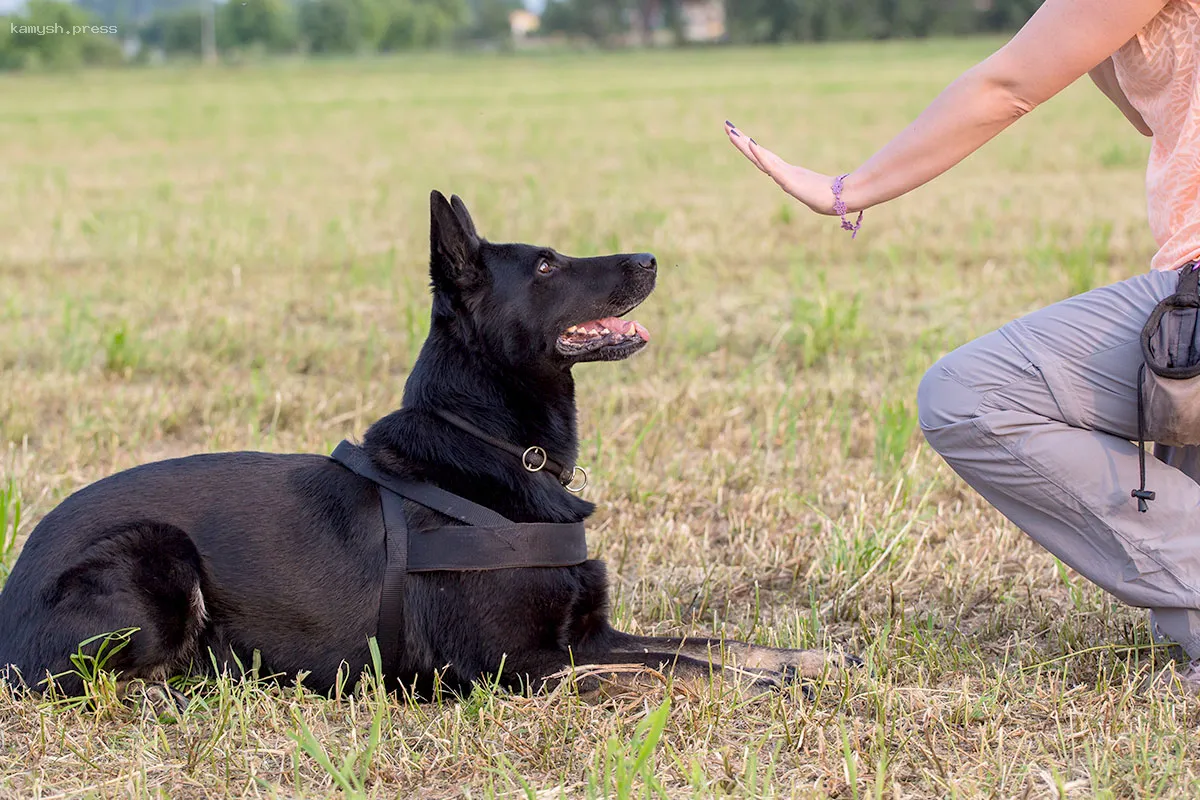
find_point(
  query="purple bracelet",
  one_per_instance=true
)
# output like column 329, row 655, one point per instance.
column 839, row 207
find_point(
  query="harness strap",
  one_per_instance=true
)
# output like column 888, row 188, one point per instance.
column 426, row 494
column 487, row 541
column 513, row 546
column 389, row 627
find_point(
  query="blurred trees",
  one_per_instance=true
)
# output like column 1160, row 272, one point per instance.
column 761, row 21
column 100, row 28
column 777, row 21
column 267, row 24
column 29, row 38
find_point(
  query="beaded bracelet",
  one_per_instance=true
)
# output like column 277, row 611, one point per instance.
column 839, row 207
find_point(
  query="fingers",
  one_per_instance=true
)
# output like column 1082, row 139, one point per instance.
column 783, row 173
column 742, row 143
column 770, row 163
column 761, row 157
column 801, row 184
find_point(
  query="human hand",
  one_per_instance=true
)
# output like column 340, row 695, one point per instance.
column 810, row 188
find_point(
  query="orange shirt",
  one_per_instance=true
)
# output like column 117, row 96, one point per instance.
column 1159, row 71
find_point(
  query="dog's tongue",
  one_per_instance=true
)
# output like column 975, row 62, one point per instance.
column 626, row 326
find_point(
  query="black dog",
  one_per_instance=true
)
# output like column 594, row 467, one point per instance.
column 209, row 558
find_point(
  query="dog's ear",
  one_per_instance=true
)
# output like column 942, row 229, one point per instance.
column 464, row 216
column 453, row 243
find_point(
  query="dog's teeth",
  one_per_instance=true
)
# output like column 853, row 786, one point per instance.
column 604, row 331
column 572, row 329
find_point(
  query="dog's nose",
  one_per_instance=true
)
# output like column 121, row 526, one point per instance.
column 646, row 261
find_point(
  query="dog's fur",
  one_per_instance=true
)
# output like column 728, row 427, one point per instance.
column 211, row 557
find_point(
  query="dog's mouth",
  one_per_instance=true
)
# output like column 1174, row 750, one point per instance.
column 609, row 338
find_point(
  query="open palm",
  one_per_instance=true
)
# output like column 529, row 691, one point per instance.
column 810, row 188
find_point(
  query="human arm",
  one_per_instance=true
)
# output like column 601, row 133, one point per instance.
column 1063, row 40
column 1104, row 75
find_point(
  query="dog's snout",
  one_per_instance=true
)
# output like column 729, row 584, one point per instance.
column 646, row 261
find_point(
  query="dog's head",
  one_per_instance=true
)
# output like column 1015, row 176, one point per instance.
column 531, row 305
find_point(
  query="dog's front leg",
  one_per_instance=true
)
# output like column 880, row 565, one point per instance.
column 610, row 672
column 808, row 664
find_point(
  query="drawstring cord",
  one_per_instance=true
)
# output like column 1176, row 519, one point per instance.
column 1141, row 493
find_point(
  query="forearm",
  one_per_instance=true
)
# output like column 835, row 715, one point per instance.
column 1062, row 41
column 965, row 116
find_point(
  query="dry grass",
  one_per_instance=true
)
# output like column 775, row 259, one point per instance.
column 235, row 260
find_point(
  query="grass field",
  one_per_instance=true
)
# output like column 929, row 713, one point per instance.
column 195, row 261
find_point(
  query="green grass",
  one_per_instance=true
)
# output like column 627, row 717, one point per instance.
column 195, row 261
column 10, row 526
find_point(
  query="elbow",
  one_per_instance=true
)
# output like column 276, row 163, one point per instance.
column 1014, row 100
column 1009, row 96
column 1019, row 105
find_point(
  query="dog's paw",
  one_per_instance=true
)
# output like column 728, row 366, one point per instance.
column 790, row 676
column 765, row 683
column 801, row 663
column 167, row 702
column 850, row 661
column 158, row 700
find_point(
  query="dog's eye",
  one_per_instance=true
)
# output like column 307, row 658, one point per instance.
column 544, row 267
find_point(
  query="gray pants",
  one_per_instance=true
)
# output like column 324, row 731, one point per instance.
column 1038, row 417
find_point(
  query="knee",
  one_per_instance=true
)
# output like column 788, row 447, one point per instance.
column 943, row 399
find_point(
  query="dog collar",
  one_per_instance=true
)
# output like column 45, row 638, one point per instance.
column 533, row 458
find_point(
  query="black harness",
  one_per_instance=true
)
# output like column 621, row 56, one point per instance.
column 485, row 541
